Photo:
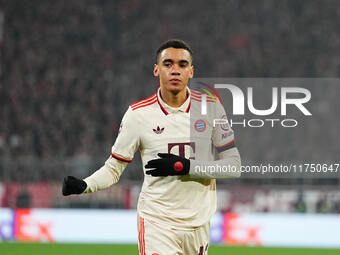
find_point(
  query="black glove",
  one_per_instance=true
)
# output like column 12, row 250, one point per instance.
column 73, row 185
column 168, row 164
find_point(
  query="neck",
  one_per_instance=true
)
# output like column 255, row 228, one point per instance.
column 172, row 99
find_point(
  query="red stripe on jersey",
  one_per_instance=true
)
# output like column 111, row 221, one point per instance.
column 143, row 105
column 196, row 92
column 120, row 158
column 143, row 101
column 216, row 94
column 210, row 99
column 225, row 144
column 199, row 97
column 199, row 100
column 199, row 94
column 139, row 239
column 140, row 236
column 165, row 112
column 143, row 236
column 187, row 110
column 196, row 99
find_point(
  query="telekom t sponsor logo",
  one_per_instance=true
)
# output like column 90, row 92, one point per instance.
column 181, row 149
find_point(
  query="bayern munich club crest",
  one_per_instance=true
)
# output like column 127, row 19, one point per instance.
column 200, row 125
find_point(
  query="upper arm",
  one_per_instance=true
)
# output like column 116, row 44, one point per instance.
column 222, row 135
column 128, row 139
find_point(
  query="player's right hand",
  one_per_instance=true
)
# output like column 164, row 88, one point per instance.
column 73, row 185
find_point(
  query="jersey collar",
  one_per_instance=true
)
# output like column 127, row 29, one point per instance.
column 185, row 107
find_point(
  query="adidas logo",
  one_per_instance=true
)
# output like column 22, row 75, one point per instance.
column 158, row 130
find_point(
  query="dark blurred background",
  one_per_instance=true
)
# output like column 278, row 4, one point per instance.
column 69, row 70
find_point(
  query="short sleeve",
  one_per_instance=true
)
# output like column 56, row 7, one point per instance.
column 128, row 138
column 223, row 135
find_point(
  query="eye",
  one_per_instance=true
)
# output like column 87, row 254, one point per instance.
column 167, row 64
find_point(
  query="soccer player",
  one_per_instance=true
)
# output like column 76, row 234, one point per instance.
column 178, row 196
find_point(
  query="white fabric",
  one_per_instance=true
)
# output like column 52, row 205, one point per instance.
column 184, row 202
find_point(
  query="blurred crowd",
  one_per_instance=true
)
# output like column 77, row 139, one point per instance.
column 69, row 69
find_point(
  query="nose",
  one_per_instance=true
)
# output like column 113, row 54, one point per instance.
column 175, row 73
column 175, row 70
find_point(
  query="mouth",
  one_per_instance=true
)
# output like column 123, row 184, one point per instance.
column 175, row 80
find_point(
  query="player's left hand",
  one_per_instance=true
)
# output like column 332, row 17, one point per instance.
column 168, row 164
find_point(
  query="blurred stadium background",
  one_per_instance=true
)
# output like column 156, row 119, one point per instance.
column 69, row 70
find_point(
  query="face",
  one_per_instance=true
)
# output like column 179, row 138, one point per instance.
column 174, row 69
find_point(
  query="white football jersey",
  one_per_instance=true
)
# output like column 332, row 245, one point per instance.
column 152, row 126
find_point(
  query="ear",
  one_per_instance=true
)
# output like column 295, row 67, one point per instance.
column 155, row 70
column 191, row 72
